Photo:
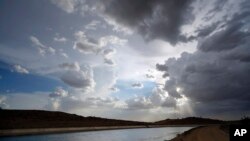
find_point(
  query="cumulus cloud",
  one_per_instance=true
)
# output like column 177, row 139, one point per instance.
column 70, row 66
column 86, row 44
column 20, row 69
column 59, row 92
column 56, row 98
column 108, row 56
column 138, row 85
column 216, row 76
column 41, row 47
column 86, row 47
column 139, row 102
column 158, row 98
column 152, row 18
column 61, row 99
column 78, row 78
column 3, row 103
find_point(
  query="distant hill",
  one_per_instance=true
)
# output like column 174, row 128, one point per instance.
column 188, row 121
column 24, row 119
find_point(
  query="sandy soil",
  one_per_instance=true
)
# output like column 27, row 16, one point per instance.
column 207, row 133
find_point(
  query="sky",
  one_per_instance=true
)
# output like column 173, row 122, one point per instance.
column 144, row 60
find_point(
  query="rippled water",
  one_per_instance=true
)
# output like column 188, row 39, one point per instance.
column 142, row 134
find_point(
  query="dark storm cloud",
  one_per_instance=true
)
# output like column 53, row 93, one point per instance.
column 226, row 39
column 162, row 68
column 152, row 18
column 216, row 77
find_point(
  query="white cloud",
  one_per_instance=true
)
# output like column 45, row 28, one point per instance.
column 56, row 98
column 35, row 41
column 20, row 69
column 85, row 44
column 63, row 54
column 88, row 45
column 66, row 5
column 60, row 39
column 70, row 66
column 72, row 6
column 59, row 92
column 3, row 103
column 117, row 27
column 113, row 40
column 92, row 25
column 108, row 56
column 41, row 47
column 158, row 98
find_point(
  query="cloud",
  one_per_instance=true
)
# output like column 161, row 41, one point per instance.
column 20, row 69
column 63, row 54
column 152, row 18
column 216, row 77
column 73, row 6
column 61, row 99
column 138, row 85
column 3, row 103
column 56, row 99
column 86, row 47
column 66, row 5
column 158, row 98
column 60, row 39
column 109, row 61
column 41, row 47
column 139, row 102
column 59, row 92
column 114, row 89
column 228, row 38
column 86, row 44
column 82, row 79
column 149, row 76
column 108, row 56
column 112, row 40
column 162, row 68
column 92, row 25
column 70, row 66
column 108, row 51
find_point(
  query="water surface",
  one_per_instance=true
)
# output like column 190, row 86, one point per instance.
column 141, row 134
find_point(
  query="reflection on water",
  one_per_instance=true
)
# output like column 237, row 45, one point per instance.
column 143, row 134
